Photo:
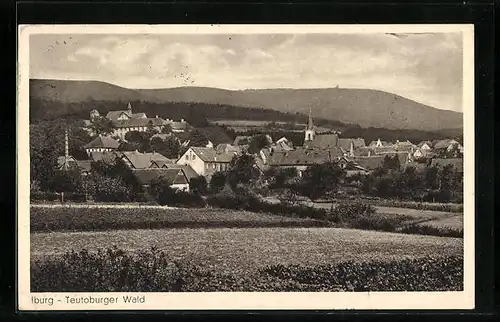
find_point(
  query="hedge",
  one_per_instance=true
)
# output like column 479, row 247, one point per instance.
column 114, row 270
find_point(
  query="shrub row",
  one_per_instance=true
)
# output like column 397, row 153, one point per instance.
column 422, row 229
column 417, row 205
column 114, row 270
column 91, row 219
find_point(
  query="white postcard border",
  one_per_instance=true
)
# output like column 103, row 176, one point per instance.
column 251, row 300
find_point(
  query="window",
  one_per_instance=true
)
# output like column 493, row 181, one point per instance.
column 194, row 157
column 187, row 157
column 213, row 166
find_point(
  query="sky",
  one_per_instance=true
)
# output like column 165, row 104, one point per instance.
column 426, row 67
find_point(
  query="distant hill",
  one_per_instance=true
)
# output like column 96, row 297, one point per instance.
column 366, row 107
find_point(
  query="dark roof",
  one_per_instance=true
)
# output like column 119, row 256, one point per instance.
column 160, row 163
column 188, row 171
column 143, row 160
column 345, row 143
column 323, row 141
column 139, row 122
column 108, row 157
column 103, row 142
column 363, row 151
column 457, row 163
column 302, row 157
column 114, row 115
column 211, row 155
column 370, row 163
column 226, row 147
column 444, row 144
column 177, row 126
column 146, row 176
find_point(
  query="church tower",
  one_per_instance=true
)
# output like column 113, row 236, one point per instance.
column 309, row 133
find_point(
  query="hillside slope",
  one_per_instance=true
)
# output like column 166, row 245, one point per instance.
column 366, row 107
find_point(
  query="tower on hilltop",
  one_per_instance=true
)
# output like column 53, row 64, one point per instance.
column 309, row 132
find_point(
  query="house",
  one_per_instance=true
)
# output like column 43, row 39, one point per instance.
column 176, row 178
column 447, row 144
column 300, row 158
column 138, row 160
column 425, row 146
column 106, row 157
column 206, row 161
column 457, row 163
column 380, row 144
column 101, row 144
column 226, row 147
column 125, row 121
column 370, row 163
column 82, row 165
column 349, row 145
column 188, row 171
column 177, row 126
column 351, row 167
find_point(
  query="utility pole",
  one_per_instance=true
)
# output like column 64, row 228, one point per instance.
column 66, row 157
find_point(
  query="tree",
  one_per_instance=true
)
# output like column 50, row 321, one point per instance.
column 118, row 170
column 217, row 182
column 197, row 138
column 166, row 129
column 198, row 185
column 391, row 163
column 109, row 189
column 69, row 181
column 150, row 129
column 242, row 171
column 257, row 143
column 321, row 179
column 102, row 126
column 169, row 147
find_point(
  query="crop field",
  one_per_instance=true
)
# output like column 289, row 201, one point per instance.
column 245, row 250
column 47, row 219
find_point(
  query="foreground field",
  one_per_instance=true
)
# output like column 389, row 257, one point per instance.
column 245, row 250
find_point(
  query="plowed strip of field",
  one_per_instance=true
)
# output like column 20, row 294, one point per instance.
column 248, row 249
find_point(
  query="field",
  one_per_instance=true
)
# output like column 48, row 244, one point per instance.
column 454, row 222
column 248, row 249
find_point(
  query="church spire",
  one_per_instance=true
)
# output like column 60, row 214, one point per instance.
column 310, row 124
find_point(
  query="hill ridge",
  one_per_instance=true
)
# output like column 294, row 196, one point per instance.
column 365, row 107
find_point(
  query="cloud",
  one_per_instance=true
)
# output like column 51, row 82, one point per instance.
column 426, row 68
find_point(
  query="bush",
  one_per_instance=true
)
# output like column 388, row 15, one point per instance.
column 114, row 270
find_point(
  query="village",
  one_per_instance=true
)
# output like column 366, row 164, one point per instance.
column 353, row 154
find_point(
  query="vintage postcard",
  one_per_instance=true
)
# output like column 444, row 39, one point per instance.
column 185, row 167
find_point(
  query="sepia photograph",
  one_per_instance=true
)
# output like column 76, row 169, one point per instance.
column 238, row 166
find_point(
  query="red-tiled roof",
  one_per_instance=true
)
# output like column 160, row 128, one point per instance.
column 103, row 142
